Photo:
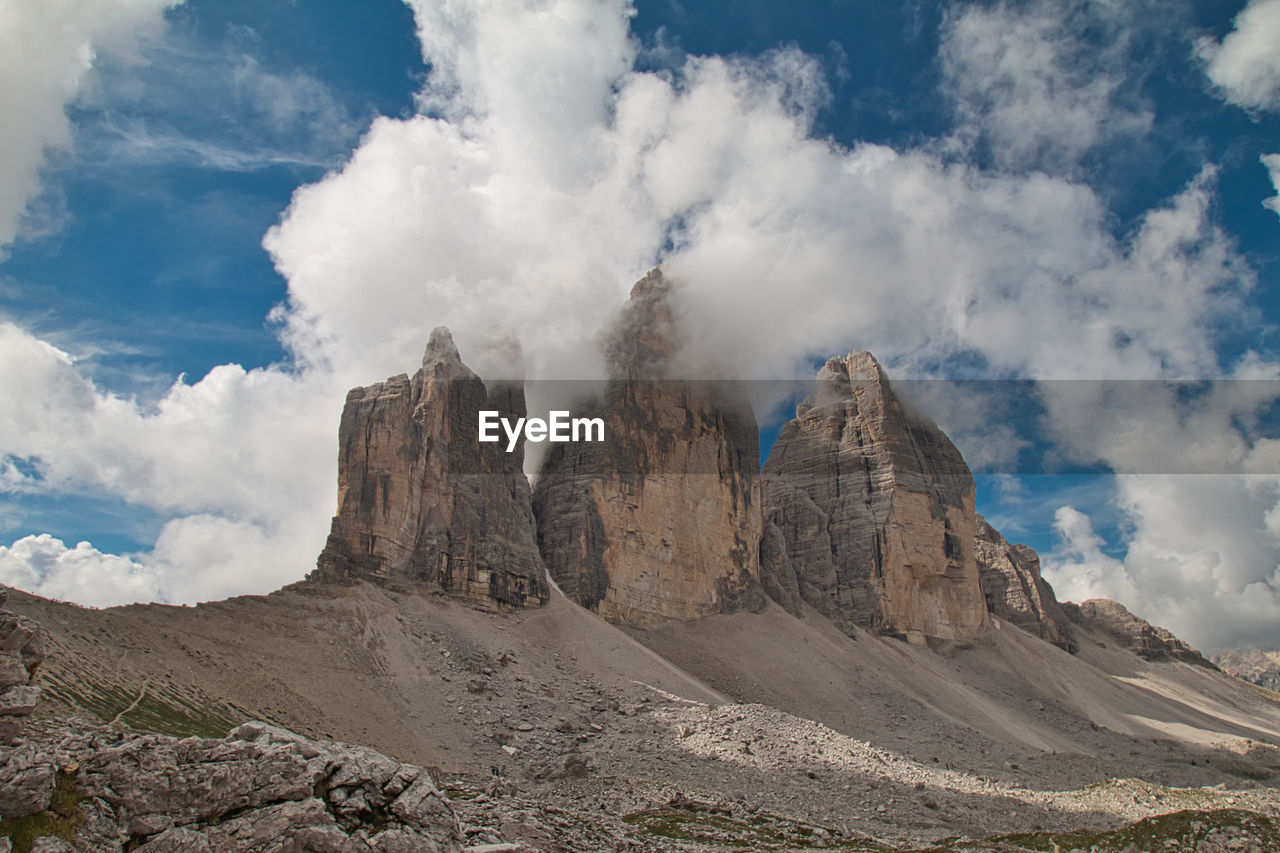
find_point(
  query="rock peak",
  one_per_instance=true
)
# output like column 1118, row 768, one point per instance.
column 441, row 349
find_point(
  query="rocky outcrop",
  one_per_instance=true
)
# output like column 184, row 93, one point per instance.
column 22, row 645
column 1014, row 590
column 1251, row 665
column 662, row 519
column 876, row 509
column 421, row 502
column 260, row 788
column 1132, row 632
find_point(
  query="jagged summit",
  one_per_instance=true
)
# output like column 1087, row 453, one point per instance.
column 871, row 510
column 662, row 519
column 420, row 501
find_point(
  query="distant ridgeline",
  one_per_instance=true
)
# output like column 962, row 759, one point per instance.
column 864, row 512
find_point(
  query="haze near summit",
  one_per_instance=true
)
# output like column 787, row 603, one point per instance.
column 974, row 191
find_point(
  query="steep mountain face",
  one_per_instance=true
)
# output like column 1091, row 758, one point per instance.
column 421, row 501
column 1014, row 590
column 876, row 509
column 662, row 519
column 1133, row 633
column 1256, row 667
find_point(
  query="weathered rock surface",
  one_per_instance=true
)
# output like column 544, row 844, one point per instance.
column 1251, row 665
column 1014, row 590
column 260, row 788
column 661, row 520
column 22, row 647
column 1139, row 636
column 876, row 507
column 421, row 501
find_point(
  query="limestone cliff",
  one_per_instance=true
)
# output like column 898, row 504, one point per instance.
column 662, row 519
column 1014, row 590
column 876, row 509
column 1252, row 665
column 1134, row 633
column 421, row 501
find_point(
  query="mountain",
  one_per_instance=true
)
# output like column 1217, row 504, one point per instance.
column 838, row 652
column 661, row 519
column 1254, row 666
column 421, row 502
column 874, row 509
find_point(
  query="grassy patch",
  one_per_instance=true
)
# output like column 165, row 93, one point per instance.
column 1189, row 828
column 705, row 824
column 62, row 819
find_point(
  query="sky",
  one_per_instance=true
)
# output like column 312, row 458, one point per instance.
column 215, row 218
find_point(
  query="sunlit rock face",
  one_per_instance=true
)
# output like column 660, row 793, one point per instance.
column 662, row 519
column 421, row 502
column 876, row 509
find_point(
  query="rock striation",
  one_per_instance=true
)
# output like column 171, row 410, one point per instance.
column 875, row 508
column 421, row 502
column 1014, row 590
column 662, row 519
column 22, row 648
column 1133, row 633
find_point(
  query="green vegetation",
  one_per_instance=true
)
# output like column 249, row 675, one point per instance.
column 700, row 823
column 1184, row 830
column 62, row 819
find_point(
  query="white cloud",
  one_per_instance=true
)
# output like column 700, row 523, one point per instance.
column 1272, row 162
column 1080, row 570
column 46, row 50
column 1245, row 66
column 46, row 566
column 244, row 454
column 1029, row 85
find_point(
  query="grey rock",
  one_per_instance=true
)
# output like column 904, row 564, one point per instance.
column 304, row 825
column 49, row 844
column 421, row 502
column 1014, row 589
column 178, row 840
column 27, row 776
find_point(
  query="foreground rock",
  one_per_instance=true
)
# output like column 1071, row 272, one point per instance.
column 876, row 509
column 260, row 788
column 1139, row 636
column 1014, row 590
column 22, row 646
column 421, row 502
column 662, row 519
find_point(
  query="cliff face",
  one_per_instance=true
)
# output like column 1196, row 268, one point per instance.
column 662, row 519
column 1254, row 666
column 1134, row 633
column 876, row 509
column 1014, row 590
column 421, row 501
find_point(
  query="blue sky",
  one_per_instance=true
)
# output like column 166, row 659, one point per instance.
column 216, row 217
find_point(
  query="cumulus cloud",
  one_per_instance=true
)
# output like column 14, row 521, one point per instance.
column 245, row 455
column 46, row 51
column 1032, row 89
column 1245, row 65
column 542, row 175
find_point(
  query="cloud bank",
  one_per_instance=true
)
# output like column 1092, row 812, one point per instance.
column 543, row 174
column 1245, row 65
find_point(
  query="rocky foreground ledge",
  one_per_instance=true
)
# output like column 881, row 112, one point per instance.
column 260, row 787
